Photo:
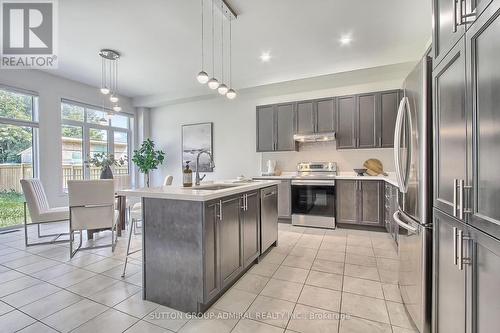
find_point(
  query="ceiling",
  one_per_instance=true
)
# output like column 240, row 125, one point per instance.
column 160, row 40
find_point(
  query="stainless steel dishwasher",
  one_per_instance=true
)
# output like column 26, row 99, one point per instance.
column 268, row 217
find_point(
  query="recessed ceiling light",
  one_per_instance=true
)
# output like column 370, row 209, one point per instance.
column 345, row 40
column 265, row 56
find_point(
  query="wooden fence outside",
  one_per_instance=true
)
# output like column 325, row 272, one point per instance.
column 10, row 174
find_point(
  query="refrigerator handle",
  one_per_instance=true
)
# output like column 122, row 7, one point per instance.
column 397, row 143
column 402, row 224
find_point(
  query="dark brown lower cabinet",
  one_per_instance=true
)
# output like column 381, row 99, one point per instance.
column 466, row 274
column 360, row 202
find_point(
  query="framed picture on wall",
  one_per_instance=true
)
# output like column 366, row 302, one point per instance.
column 196, row 138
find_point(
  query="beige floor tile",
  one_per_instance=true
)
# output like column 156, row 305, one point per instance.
column 235, row 301
column 264, row 269
column 10, row 275
column 328, row 266
column 16, row 285
column 74, row 315
column 325, row 280
column 104, row 265
column 399, row 316
column 333, row 246
column 251, row 283
column 51, row 304
column 53, row 272
column 135, row 279
column 390, row 277
column 14, row 321
column 388, row 264
column 292, row 274
column 214, row 322
column 361, row 250
column 300, row 251
column 285, row 290
column 30, row 294
column 85, row 259
column 362, row 260
column 274, row 257
column 92, row 285
column 392, row 292
column 115, row 293
column 271, row 311
column 396, row 329
column 363, row 287
column 361, row 241
column 116, row 272
column 365, row 307
column 27, row 260
column 307, row 319
column 382, row 253
column 71, row 278
column 145, row 327
column 360, row 325
column 38, row 266
column 110, row 321
column 136, row 306
column 4, row 308
column 310, row 242
column 299, row 262
column 167, row 318
column 364, row 272
column 252, row 326
column 37, row 327
column 330, row 255
column 322, row 298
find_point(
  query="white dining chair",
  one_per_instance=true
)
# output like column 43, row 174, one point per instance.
column 40, row 212
column 135, row 215
column 91, row 206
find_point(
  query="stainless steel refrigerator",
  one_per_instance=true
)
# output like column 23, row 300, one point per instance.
column 413, row 159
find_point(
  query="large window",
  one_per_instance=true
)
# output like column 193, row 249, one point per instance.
column 18, row 138
column 87, row 130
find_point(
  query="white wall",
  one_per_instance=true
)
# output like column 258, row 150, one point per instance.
column 51, row 89
column 234, row 124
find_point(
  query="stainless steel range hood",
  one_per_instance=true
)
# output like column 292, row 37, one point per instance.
column 318, row 137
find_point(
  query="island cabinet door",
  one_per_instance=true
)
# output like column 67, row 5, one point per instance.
column 211, row 251
column 251, row 227
column 231, row 256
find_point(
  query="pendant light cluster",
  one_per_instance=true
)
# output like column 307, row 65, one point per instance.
column 203, row 77
column 109, row 76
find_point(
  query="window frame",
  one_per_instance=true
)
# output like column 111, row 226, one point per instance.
column 87, row 126
column 33, row 123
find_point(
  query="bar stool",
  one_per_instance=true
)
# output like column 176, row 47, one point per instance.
column 135, row 215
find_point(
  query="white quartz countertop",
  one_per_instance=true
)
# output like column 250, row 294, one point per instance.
column 198, row 193
column 390, row 178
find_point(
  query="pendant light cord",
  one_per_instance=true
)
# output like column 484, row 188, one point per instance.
column 202, row 35
column 213, row 41
column 222, row 39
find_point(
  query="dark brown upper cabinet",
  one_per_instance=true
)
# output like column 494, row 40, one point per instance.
column 275, row 127
column 315, row 116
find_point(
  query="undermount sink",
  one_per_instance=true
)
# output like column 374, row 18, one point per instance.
column 215, row 187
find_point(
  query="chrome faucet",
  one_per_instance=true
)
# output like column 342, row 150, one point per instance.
column 198, row 179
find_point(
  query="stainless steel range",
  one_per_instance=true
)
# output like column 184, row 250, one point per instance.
column 313, row 195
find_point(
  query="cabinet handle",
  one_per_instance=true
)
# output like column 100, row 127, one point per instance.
column 455, row 15
column 380, row 141
column 455, row 246
column 461, row 199
column 220, row 210
column 455, row 185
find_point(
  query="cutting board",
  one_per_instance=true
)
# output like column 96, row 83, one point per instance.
column 374, row 167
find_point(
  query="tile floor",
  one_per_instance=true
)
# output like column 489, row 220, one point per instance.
column 314, row 281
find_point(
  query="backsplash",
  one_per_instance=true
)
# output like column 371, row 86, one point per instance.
column 327, row 151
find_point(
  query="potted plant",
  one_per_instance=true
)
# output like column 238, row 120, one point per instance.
column 147, row 158
column 105, row 161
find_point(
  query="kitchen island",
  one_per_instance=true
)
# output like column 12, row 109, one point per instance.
column 198, row 241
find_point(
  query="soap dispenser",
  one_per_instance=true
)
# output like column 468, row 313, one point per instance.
column 187, row 176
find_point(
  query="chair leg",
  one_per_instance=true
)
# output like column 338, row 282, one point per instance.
column 131, row 227
column 25, row 227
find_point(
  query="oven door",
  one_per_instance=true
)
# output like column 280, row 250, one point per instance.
column 313, row 203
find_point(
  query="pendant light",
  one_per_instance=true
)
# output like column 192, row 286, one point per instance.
column 109, row 76
column 222, row 88
column 202, row 76
column 231, row 93
column 213, row 83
